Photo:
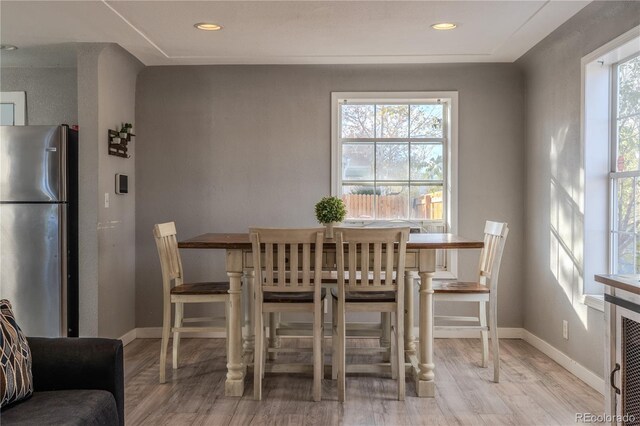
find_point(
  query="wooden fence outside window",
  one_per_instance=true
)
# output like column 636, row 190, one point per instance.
column 363, row 206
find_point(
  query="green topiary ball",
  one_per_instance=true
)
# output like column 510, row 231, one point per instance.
column 330, row 209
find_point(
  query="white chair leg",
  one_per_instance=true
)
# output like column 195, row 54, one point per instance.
column 273, row 336
column 334, row 339
column 341, row 351
column 258, row 353
column 385, row 336
column 264, row 346
column 322, row 339
column 176, row 334
column 482, row 314
column 164, row 345
column 393, row 359
column 400, row 351
column 493, row 329
column 317, row 352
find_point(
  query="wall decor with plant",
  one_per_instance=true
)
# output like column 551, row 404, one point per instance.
column 119, row 140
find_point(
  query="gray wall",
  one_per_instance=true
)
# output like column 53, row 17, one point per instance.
column 88, row 55
column 107, row 86
column 553, row 191
column 221, row 148
column 118, row 72
column 51, row 92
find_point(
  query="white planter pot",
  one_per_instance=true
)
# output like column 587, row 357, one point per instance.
column 328, row 232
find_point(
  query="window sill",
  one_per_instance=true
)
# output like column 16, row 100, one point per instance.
column 595, row 301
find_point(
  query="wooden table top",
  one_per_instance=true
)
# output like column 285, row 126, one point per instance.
column 629, row 282
column 416, row 241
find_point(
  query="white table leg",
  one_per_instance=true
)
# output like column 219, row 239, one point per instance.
column 409, row 339
column 425, row 384
column 249, row 339
column 234, row 386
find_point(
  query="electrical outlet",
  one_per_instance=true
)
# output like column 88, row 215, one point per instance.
column 565, row 329
column 106, row 200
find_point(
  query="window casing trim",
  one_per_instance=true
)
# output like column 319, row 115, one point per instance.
column 597, row 72
column 450, row 187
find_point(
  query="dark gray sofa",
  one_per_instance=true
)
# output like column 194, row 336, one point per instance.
column 77, row 381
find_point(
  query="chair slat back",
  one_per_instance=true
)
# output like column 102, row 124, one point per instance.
column 167, row 244
column 495, row 237
column 373, row 257
column 292, row 259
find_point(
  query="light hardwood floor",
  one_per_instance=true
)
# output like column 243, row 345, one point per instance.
column 533, row 390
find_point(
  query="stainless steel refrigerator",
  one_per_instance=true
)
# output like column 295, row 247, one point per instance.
column 38, row 227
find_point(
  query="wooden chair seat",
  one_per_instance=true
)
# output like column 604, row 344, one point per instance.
column 201, row 288
column 460, row 287
column 366, row 296
column 287, row 297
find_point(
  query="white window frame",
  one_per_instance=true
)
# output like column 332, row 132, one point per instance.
column 19, row 101
column 614, row 174
column 597, row 114
column 450, row 188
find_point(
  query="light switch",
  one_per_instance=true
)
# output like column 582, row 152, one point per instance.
column 106, row 200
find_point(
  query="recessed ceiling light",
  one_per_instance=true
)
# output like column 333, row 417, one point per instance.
column 207, row 26
column 444, row 26
column 8, row 47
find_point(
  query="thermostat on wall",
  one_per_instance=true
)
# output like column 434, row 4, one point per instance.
column 122, row 184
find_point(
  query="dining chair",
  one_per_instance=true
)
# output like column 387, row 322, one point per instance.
column 370, row 279
column 482, row 291
column 288, row 269
column 177, row 292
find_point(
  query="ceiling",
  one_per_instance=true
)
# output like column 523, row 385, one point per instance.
column 287, row 32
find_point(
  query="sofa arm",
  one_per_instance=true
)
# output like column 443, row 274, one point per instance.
column 79, row 363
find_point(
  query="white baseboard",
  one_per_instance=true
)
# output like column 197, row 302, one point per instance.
column 578, row 370
column 129, row 336
column 503, row 333
column 156, row 333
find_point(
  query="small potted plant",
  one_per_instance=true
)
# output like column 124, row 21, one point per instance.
column 126, row 130
column 329, row 212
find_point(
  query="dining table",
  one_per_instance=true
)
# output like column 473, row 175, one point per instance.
column 420, row 264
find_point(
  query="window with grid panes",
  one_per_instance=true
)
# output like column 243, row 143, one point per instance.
column 625, row 167
column 393, row 158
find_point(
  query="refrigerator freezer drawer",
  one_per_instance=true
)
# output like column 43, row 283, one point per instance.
column 33, row 265
column 33, row 163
